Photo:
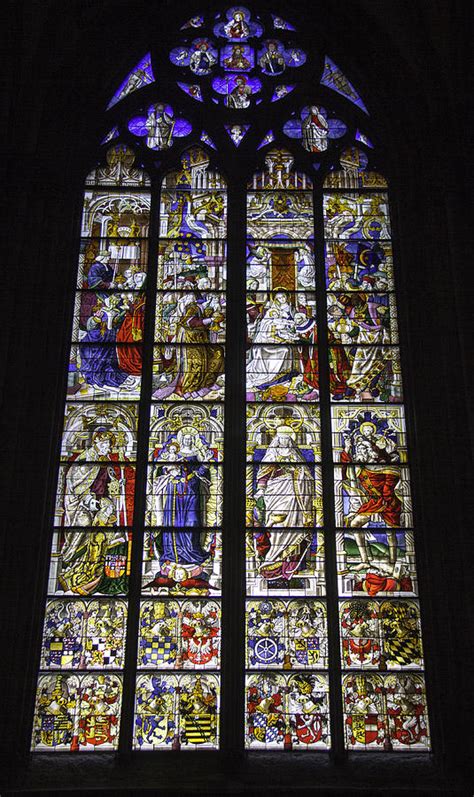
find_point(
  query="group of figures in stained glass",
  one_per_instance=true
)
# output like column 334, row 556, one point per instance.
column 191, row 318
column 233, row 65
column 177, row 690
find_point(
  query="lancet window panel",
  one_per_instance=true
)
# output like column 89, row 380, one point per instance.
column 80, row 684
column 285, row 552
column 180, row 621
column 372, row 485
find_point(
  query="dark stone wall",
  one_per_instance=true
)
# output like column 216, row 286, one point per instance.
column 411, row 62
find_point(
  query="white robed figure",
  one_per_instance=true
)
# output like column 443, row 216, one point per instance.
column 371, row 360
column 159, row 125
column 269, row 364
column 284, row 485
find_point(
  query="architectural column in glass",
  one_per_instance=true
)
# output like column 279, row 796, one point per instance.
column 381, row 652
column 178, row 685
column 286, row 626
column 80, row 683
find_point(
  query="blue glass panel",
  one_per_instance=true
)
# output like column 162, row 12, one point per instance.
column 138, row 77
column 334, row 79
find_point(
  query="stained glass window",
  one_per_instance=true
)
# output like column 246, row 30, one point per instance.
column 134, row 646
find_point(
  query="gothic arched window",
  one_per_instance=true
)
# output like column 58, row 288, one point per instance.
column 233, row 548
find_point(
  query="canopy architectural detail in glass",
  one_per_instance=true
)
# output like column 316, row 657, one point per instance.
column 135, row 647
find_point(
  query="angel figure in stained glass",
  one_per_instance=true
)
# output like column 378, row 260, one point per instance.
column 259, row 262
column 315, row 130
column 141, row 76
column 305, row 263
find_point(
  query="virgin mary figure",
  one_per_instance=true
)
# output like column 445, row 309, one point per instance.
column 180, row 492
column 271, row 364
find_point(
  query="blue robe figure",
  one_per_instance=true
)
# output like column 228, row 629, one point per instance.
column 99, row 362
column 181, row 490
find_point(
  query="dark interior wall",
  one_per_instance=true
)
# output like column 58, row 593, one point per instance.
column 411, row 62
